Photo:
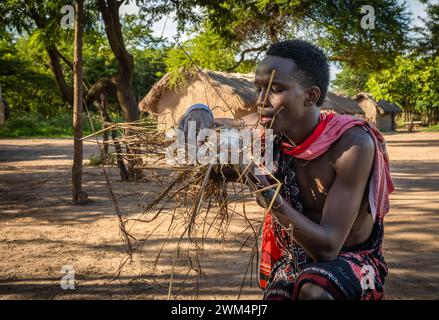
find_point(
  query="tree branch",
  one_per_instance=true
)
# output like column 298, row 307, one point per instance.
column 65, row 90
column 100, row 86
column 338, row 58
column 241, row 59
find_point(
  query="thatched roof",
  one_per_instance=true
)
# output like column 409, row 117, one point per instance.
column 341, row 104
column 232, row 86
column 388, row 106
column 382, row 106
column 238, row 87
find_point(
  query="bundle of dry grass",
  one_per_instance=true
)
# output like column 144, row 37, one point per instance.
column 196, row 201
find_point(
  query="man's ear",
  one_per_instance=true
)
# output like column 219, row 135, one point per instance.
column 312, row 96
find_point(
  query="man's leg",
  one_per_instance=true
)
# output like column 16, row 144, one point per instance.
column 311, row 291
column 332, row 280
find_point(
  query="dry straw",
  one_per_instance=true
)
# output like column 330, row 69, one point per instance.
column 196, row 201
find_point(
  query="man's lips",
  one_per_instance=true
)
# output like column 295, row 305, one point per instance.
column 265, row 120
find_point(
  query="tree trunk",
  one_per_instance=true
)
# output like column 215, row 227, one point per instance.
column 106, row 134
column 124, row 78
column 55, row 65
column 79, row 197
column 119, row 159
column 2, row 108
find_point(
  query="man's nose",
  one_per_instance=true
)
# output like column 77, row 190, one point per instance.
column 264, row 99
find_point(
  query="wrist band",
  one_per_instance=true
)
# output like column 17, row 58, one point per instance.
column 198, row 106
column 268, row 196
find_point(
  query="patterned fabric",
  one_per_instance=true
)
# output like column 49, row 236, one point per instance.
column 358, row 272
column 343, row 277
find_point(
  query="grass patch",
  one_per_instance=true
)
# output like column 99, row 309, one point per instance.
column 38, row 126
column 95, row 160
column 432, row 128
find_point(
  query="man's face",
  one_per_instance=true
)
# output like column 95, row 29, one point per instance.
column 287, row 95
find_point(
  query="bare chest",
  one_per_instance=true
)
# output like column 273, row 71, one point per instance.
column 314, row 178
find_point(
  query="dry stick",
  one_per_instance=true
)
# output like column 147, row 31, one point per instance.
column 197, row 209
column 193, row 215
column 205, row 76
column 267, row 93
column 172, row 271
column 116, row 205
column 274, row 117
column 199, row 199
column 164, row 193
column 269, row 87
column 98, row 132
column 246, row 271
column 184, row 280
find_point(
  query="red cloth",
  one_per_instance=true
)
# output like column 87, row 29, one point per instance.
column 330, row 128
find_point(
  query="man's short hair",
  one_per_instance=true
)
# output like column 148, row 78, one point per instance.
column 310, row 60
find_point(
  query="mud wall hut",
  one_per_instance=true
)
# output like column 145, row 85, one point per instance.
column 382, row 113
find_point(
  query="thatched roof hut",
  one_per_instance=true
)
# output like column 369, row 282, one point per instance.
column 381, row 113
column 341, row 104
column 385, row 106
column 220, row 91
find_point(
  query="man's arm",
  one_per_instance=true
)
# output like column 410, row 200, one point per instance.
column 204, row 119
column 353, row 165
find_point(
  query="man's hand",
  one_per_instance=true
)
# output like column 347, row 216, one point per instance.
column 268, row 185
column 203, row 120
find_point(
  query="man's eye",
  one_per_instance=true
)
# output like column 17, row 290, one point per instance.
column 276, row 90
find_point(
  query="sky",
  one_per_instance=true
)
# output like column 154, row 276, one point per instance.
column 168, row 28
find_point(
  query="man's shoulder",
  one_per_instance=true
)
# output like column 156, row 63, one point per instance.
column 356, row 136
column 355, row 142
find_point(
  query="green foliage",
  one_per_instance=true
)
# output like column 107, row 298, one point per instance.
column 149, row 67
column 230, row 35
column 412, row 83
column 96, row 160
column 209, row 51
column 428, row 39
column 338, row 29
column 432, row 128
column 27, row 85
column 27, row 81
column 350, row 81
column 35, row 125
column 335, row 25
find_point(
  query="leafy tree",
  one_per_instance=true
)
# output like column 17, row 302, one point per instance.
column 249, row 26
column 208, row 50
column 350, row 81
column 428, row 39
column 26, row 83
column 412, row 83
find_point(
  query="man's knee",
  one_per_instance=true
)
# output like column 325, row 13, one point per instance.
column 311, row 291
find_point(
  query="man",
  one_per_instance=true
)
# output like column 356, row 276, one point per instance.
column 322, row 239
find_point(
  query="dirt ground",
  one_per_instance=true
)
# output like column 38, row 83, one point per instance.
column 40, row 231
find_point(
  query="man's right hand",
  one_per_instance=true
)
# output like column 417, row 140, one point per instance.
column 203, row 120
